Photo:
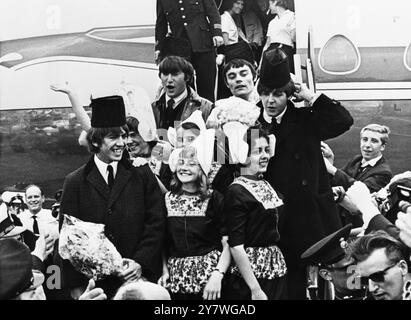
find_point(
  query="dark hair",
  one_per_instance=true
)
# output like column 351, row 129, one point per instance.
column 176, row 64
column 253, row 133
column 132, row 123
column 364, row 246
column 189, row 126
column 202, row 182
column 235, row 64
column 228, row 4
column 288, row 89
column 96, row 135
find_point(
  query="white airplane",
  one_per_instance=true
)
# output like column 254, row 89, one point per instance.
column 359, row 53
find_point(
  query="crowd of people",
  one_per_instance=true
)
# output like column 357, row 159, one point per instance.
column 228, row 198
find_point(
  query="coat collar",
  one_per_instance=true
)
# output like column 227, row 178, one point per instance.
column 288, row 123
column 93, row 176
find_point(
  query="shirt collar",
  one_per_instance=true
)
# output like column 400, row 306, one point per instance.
column 102, row 167
column 178, row 99
column 371, row 162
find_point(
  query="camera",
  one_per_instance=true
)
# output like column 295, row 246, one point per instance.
column 388, row 204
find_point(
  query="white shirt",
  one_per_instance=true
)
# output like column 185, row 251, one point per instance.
column 45, row 220
column 102, row 167
column 178, row 99
column 282, row 30
column 229, row 27
column 371, row 162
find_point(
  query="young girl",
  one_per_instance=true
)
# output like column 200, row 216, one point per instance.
column 251, row 208
column 196, row 255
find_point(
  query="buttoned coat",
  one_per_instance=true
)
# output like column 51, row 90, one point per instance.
column 133, row 214
column 297, row 171
column 375, row 177
column 197, row 20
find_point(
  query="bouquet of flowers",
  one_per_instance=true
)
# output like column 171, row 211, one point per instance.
column 235, row 109
column 85, row 245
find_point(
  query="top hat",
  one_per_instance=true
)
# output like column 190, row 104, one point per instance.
column 328, row 250
column 15, row 268
column 108, row 112
column 275, row 69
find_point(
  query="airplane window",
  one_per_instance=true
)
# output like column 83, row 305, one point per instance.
column 339, row 56
column 407, row 57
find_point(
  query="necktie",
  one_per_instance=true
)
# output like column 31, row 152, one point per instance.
column 110, row 176
column 170, row 104
column 35, row 225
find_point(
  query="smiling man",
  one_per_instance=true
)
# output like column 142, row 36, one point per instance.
column 110, row 191
column 239, row 76
column 370, row 167
column 382, row 264
column 178, row 101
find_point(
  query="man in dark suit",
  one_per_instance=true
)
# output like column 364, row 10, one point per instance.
column 370, row 167
column 297, row 169
column 200, row 23
column 126, row 199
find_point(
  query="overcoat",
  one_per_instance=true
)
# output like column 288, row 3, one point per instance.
column 133, row 214
column 297, row 170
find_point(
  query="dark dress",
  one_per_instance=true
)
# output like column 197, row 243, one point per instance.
column 193, row 241
column 252, row 210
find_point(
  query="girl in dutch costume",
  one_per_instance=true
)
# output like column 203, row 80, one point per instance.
column 196, row 255
column 252, row 208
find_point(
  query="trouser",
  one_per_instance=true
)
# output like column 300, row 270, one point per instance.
column 206, row 70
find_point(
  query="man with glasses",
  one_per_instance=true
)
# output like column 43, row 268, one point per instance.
column 335, row 267
column 382, row 263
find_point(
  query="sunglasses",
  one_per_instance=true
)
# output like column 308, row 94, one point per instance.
column 378, row 276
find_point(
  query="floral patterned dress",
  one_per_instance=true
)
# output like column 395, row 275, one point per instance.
column 193, row 240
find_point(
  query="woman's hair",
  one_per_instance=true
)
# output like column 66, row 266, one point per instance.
column 96, row 135
column 190, row 126
column 288, row 89
column 132, row 124
column 251, row 135
column 174, row 65
column 228, row 4
column 202, row 181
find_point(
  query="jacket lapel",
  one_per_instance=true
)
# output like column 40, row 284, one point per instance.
column 121, row 179
column 369, row 170
column 288, row 124
column 97, row 181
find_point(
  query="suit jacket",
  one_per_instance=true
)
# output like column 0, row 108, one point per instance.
column 297, row 170
column 192, row 103
column 133, row 214
column 196, row 20
column 375, row 177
